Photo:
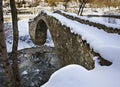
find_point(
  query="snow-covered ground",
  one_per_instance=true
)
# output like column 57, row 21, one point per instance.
column 106, row 44
column 77, row 76
column 24, row 38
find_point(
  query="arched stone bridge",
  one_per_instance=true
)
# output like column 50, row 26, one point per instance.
column 70, row 48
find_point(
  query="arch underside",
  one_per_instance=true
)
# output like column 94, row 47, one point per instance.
column 41, row 33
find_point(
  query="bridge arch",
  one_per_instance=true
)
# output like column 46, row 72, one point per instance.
column 69, row 47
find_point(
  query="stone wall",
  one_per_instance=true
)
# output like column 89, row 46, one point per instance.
column 70, row 47
column 99, row 26
column 112, row 16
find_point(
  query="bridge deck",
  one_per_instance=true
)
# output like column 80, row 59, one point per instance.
column 95, row 22
column 94, row 19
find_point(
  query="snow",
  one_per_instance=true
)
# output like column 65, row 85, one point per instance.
column 105, row 21
column 24, row 72
column 49, row 41
column 77, row 76
column 106, row 44
column 37, row 70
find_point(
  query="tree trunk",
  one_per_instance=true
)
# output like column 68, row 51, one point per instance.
column 3, row 52
column 83, row 6
column 65, row 5
column 15, row 44
column 80, row 6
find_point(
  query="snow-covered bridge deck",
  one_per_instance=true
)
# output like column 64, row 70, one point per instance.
column 95, row 22
column 75, row 42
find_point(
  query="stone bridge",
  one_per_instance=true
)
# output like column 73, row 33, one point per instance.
column 70, row 47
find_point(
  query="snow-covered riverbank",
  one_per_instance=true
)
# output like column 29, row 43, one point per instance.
column 24, row 37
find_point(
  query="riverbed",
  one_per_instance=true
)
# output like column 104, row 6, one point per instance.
column 35, row 65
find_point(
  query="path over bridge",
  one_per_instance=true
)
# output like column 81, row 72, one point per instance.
column 70, row 47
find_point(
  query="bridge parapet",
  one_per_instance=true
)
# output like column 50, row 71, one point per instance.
column 70, row 47
column 85, row 21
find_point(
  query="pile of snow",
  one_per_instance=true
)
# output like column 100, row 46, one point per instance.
column 77, row 76
column 24, row 73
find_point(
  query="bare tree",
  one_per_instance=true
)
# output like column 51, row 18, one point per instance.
column 15, row 44
column 81, row 6
column 3, row 52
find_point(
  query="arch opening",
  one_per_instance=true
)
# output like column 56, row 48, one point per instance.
column 41, row 33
